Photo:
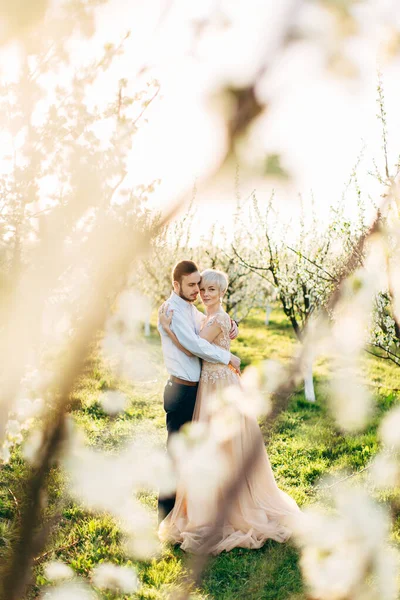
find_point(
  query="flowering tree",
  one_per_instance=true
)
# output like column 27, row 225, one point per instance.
column 303, row 272
column 385, row 329
column 63, row 239
column 107, row 250
column 153, row 278
column 385, row 334
column 245, row 289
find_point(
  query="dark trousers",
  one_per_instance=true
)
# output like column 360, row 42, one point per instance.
column 179, row 401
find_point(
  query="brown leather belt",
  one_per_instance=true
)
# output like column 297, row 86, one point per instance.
column 183, row 381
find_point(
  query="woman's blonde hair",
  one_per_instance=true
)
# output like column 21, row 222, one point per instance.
column 214, row 276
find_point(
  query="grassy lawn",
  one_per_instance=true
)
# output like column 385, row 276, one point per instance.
column 304, row 447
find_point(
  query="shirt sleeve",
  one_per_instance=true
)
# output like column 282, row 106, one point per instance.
column 195, row 344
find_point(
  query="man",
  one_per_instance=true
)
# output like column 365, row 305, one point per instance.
column 184, row 366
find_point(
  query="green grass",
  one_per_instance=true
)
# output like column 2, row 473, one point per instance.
column 305, row 446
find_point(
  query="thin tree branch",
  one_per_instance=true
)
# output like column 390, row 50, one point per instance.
column 346, row 478
column 333, row 279
column 39, row 558
column 390, row 355
column 15, row 501
column 146, row 106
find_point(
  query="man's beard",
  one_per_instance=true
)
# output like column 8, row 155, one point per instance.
column 182, row 295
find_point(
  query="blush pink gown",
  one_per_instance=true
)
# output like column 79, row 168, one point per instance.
column 261, row 510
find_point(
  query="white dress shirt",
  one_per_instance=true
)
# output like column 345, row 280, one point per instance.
column 186, row 324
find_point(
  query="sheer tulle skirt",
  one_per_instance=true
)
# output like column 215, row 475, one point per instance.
column 260, row 511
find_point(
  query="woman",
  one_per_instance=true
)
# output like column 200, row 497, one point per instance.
column 260, row 510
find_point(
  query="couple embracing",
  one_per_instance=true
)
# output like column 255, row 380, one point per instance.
column 196, row 349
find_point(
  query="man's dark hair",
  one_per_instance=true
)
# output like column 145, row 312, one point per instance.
column 184, row 267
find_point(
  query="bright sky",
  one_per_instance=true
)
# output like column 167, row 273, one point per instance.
column 318, row 120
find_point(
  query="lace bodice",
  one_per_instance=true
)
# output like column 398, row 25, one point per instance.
column 212, row 371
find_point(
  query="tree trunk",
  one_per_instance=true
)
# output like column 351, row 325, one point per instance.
column 147, row 319
column 147, row 326
column 268, row 310
column 309, row 391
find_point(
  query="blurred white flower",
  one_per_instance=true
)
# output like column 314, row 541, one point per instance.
column 353, row 313
column 5, row 454
column 106, row 482
column 109, row 482
column 56, row 323
column 342, row 552
column 129, row 358
column 386, row 565
column 36, row 380
column 113, row 402
column 253, row 401
column 69, row 591
column 56, row 570
column 389, row 430
column 32, row 446
column 13, row 429
column 349, row 330
column 132, row 309
column 153, row 466
column 201, row 464
column 28, row 409
column 385, row 471
column 143, row 545
column 116, row 578
column 227, row 407
column 331, row 575
column 98, row 480
column 351, row 402
column 274, row 375
column 126, row 355
column 225, row 423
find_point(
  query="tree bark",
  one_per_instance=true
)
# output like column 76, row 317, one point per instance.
column 268, row 310
column 309, row 391
column 147, row 323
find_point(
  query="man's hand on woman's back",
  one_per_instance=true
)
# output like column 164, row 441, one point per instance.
column 235, row 362
column 234, row 332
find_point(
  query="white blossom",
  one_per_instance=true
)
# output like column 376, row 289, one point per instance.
column 123, row 349
column 56, row 570
column 32, row 446
column 351, row 402
column 115, row 578
column 331, row 575
column 201, row 463
column 69, row 591
column 143, row 545
column 255, row 399
column 349, row 332
column 340, row 550
column 131, row 359
column 274, row 375
column 225, row 422
column 5, row 453
column 385, row 471
column 13, row 429
column 27, row 409
column 389, row 430
column 109, row 483
column 132, row 309
column 113, row 402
